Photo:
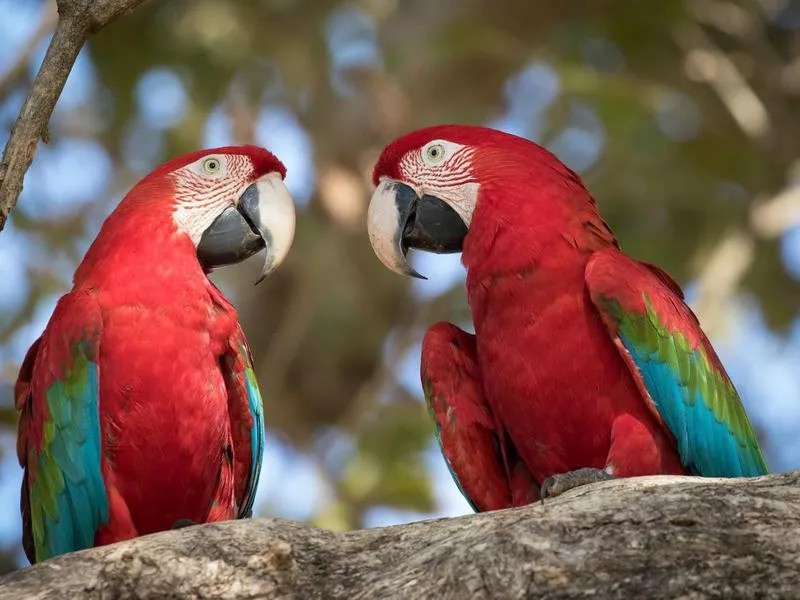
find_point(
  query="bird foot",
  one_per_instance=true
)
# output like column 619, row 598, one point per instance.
column 181, row 523
column 556, row 485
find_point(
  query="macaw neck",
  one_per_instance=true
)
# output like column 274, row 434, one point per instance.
column 140, row 256
column 528, row 246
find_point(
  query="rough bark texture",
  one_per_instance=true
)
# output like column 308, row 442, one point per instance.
column 655, row 537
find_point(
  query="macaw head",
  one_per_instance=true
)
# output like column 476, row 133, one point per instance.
column 231, row 202
column 435, row 185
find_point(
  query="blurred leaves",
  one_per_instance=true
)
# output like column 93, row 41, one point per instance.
column 632, row 93
column 9, row 416
column 388, row 468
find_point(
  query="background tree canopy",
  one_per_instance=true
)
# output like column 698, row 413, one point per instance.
column 683, row 117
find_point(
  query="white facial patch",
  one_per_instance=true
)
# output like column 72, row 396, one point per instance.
column 462, row 198
column 193, row 221
column 443, row 169
column 205, row 188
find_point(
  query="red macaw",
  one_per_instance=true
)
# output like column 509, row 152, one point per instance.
column 585, row 364
column 139, row 406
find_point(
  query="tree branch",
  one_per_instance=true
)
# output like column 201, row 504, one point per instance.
column 708, row 63
column 729, row 261
column 650, row 537
column 78, row 19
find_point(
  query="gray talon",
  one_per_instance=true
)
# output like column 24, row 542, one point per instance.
column 555, row 485
column 181, row 523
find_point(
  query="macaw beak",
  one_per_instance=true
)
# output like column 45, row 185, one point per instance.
column 263, row 217
column 399, row 219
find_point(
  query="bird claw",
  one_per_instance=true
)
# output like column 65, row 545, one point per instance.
column 555, row 485
column 181, row 523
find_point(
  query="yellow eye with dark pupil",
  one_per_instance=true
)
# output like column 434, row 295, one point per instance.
column 211, row 165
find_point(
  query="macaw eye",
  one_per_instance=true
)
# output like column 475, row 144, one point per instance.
column 434, row 154
column 211, row 166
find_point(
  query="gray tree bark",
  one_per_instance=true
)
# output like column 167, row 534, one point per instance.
column 653, row 537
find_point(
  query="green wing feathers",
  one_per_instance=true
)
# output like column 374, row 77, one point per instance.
column 682, row 379
column 246, row 410
column 64, row 497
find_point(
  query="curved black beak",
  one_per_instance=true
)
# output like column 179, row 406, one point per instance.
column 263, row 218
column 399, row 219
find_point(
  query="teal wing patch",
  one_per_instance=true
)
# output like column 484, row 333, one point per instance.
column 246, row 411
column 60, row 435
column 257, row 434
column 678, row 371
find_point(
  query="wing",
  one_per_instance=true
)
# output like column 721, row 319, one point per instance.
column 468, row 436
column 63, row 500
column 247, row 421
column 676, row 369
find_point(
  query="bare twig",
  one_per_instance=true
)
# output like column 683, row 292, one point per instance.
column 732, row 257
column 772, row 218
column 705, row 61
column 78, row 19
column 242, row 113
column 720, row 277
column 285, row 344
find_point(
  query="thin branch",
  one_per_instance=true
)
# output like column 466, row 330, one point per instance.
column 720, row 277
column 774, row 217
column 733, row 256
column 78, row 19
column 285, row 344
column 706, row 62
column 242, row 113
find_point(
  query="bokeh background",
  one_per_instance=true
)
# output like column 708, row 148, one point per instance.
column 683, row 117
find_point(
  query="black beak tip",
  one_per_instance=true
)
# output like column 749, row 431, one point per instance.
column 409, row 270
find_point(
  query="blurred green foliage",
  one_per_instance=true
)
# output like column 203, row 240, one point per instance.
column 676, row 171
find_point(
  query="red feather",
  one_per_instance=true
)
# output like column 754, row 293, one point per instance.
column 263, row 161
column 487, row 469
column 550, row 373
column 171, row 444
column 550, row 369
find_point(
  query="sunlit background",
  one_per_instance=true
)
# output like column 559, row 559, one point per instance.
column 683, row 117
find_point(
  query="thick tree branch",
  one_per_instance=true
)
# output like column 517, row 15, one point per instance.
column 652, row 537
column 78, row 19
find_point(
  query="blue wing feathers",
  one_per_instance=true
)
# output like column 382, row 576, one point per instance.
column 70, row 469
column 257, row 434
column 705, row 443
column 678, row 372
